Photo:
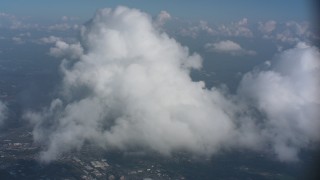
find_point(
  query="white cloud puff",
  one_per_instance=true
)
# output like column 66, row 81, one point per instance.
column 268, row 26
column 229, row 47
column 128, row 87
column 162, row 18
column 50, row 40
column 63, row 49
column 237, row 29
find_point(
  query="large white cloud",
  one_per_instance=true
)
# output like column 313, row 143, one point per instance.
column 127, row 86
column 135, row 91
column 288, row 97
column 229, row 47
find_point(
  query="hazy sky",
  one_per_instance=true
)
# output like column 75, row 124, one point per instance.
column 209, row 10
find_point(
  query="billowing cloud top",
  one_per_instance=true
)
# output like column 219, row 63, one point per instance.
column 127, row 86
column 288, row 97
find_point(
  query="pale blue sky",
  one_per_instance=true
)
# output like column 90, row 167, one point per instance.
column 209, row 10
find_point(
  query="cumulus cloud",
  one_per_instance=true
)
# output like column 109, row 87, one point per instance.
column 134, row 79
column 50, row 40
column 128, row 86
column 63, row 49
column 229, row 47
column 290, row 32
column 194, row 31
column 234, row 29
column 268, row 26
column 237, row 29
column 288, row 98
column 16, row 23
column 162, row 18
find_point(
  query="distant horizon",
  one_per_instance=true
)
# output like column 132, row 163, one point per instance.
column 208, row 10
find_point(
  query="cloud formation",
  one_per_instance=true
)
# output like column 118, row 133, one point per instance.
column 237, row 29
column 288, row 99
column 162, row 18
column 234, row 29
column 229, row 47
column 268, row 26
column 290, row 32
column 127, row 86
column 63, row 49
column 15, row 23
column 63, row 27
column 194, row 31
column 49, row 40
